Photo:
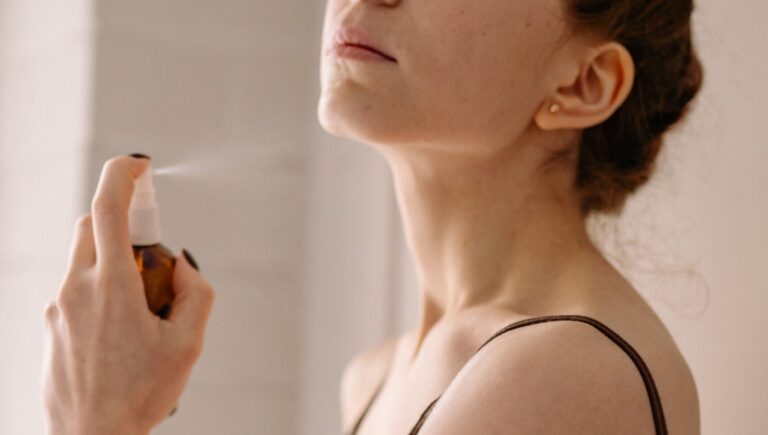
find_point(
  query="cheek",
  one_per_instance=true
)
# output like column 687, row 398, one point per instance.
column 477, row 63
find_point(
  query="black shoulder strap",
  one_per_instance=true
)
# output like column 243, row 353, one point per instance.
column 650, row 386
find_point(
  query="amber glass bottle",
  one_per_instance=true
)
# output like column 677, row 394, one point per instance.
column 155, row 262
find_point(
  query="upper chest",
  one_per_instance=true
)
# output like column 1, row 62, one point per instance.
column 418, row 373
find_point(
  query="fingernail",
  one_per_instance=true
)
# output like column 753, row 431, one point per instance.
column 190, row 259
column 164, row 311
column 173, row 411
column 140, row 156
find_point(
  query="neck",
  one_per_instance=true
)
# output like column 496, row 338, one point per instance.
column 488, row 229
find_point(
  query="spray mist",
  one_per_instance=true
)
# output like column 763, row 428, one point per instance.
column 156, row 262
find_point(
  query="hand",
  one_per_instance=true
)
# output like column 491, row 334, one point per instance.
column 111, row 365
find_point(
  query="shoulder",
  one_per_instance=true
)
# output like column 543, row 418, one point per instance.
column 549, row 377
column 361, row 375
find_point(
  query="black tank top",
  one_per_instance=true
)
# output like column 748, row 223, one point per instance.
column 653, row 395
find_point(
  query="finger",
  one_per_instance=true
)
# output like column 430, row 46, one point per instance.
column 82, row 252
column 193, row 298
column 110, row 209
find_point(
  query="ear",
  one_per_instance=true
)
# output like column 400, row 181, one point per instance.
column 602, row 85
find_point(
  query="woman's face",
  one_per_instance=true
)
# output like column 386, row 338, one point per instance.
column 468, row 73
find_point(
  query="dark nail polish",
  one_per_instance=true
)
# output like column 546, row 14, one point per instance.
column 190, row 259
column 140, row 156
column 165, row 311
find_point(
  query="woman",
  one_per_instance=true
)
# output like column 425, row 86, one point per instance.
column 505, row 124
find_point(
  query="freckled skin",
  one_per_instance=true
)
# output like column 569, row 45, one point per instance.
column 468, row 74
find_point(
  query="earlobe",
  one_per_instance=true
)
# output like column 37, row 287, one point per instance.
column 546, row 116
column 555, row 114
column 601, row 86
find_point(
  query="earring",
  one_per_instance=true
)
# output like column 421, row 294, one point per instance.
column 554, row 108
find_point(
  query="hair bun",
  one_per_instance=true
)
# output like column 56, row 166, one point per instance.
column 617, row 156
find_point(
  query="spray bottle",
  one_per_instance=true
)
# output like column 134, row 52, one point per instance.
column 156, row 262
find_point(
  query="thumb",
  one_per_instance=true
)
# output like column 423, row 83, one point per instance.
column 193, row 296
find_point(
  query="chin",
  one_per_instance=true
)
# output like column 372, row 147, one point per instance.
column 351, row 118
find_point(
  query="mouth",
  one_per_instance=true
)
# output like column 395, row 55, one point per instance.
column 351, row 38
column 361, row 52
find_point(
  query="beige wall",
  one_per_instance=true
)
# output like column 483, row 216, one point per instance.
column 713, row 211
column 45, row 60
column 299, row 230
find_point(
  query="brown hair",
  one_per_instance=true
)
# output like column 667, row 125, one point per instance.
column 617, row 156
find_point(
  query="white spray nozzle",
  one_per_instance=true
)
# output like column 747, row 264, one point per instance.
column 143, row 215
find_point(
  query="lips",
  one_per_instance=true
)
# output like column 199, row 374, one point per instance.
column 353, row 36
